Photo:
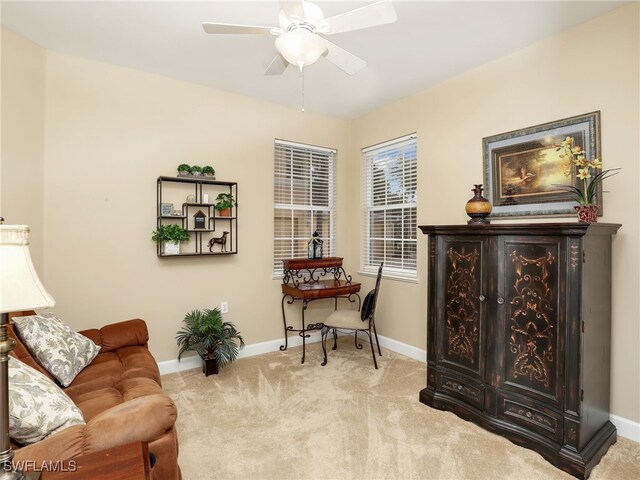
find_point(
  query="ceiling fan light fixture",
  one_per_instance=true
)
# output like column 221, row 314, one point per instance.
column 301, row 47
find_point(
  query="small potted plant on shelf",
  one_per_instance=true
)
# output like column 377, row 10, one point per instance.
column 224, row 203
column 196, row 170
column 170, row 237
column 209, row 172
column 217, row 342
column 184, row 170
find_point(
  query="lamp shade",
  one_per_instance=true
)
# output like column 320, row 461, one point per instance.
column 301, row 47
column 20, row 287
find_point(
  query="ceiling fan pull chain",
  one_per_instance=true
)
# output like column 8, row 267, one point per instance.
column 302, row 84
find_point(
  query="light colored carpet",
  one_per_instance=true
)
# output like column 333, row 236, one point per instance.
column 269, row 417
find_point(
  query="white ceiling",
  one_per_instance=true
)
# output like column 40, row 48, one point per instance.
column 431, row 42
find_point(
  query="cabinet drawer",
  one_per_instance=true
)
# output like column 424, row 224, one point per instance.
column 464, row 389
column 531, row 415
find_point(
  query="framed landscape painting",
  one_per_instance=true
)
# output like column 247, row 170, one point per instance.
column 524, row 171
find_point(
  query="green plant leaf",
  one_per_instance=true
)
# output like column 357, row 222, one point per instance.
column 224, row 200
column 170, row 233
column 205, row 332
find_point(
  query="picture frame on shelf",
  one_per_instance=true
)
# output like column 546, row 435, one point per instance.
column 166, row 209
column 524, row 171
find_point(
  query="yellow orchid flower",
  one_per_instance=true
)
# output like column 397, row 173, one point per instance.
column 580, row 162
column 583, row 173
column 596, row 163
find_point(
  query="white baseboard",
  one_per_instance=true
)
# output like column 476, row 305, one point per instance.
column 187, row 363
column 626, row 428
column 403, row 349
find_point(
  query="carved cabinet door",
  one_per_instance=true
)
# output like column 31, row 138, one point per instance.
column 531, row 315
column 460, row 316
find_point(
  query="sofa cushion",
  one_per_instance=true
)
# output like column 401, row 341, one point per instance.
column 93, row 399
column 63, row 352
column 22, row 353
column 37, row 406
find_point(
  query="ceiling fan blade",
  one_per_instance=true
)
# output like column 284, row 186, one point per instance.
column 293, row 8
column 368, row 16
column 344, row 60
column 277, row 66
column 232, row 28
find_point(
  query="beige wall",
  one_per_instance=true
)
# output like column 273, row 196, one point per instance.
column 591, row 67
column 111, row 131
column 22, row 165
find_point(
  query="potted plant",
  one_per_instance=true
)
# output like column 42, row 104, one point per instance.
column 224, row 203
column 184, row 170
column 587, row 194
column 170, row 236
column 217, row 342
column 196, row 170
column 209, row 171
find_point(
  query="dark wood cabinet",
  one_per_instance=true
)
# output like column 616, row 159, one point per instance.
column 519, row 337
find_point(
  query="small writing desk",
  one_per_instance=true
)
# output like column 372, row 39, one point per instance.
column 314, row 279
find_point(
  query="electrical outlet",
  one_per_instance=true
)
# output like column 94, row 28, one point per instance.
column 224, row 307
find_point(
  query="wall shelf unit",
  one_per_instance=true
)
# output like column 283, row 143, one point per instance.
column 188, row 196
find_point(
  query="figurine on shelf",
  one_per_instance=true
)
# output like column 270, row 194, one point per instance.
column 221, row 240
column 199, row 220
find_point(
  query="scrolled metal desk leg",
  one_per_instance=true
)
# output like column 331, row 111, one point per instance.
column 303, row 332
column 284, row 320
column 323, row 338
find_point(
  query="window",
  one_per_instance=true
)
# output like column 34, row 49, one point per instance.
column 303, row 200
column 390, row 204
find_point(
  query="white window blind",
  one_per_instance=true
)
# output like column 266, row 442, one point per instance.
column 304, row 199
column 390, row 207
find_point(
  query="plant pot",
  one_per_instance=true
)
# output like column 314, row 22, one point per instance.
column 587, row 213
column 209, row 366
column 171, row 248
column 225, row 212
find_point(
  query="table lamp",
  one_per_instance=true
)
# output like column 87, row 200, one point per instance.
column 20, row 289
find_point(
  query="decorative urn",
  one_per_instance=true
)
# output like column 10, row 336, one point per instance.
column 478, row 207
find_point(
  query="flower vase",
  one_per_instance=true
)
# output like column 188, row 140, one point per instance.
column 587, row 213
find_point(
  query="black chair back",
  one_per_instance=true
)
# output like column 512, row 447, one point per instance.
column 369, row 303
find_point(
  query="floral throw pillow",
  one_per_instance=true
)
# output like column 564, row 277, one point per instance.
column 37, row 406
column 63, row 352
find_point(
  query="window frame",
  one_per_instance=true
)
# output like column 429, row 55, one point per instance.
column 297, row 150
column 379, row 154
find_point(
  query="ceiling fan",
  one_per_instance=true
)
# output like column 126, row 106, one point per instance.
column 299, row 41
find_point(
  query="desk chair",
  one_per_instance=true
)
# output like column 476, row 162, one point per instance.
column 354, row 321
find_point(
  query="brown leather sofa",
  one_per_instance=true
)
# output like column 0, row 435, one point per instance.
column 121, row 398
